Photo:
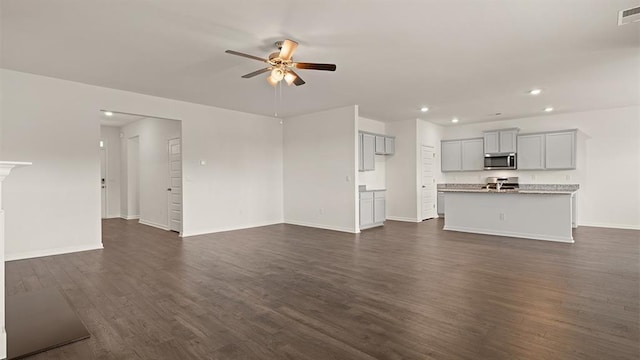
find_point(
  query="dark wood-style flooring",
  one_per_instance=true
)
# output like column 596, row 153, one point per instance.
column 405, row 291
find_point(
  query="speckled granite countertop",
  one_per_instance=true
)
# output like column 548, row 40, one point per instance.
column 524, row 188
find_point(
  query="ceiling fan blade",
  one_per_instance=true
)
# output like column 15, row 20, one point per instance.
column 245, row 55
column 314, row 66
column 257, row 72
column 298, row 80
column 288, row 47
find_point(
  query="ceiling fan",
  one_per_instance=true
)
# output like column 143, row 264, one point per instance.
column 281, row 64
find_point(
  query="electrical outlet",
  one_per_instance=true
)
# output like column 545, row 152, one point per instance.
column 502, row 217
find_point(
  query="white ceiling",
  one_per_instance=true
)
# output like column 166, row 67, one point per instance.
column 463, row 58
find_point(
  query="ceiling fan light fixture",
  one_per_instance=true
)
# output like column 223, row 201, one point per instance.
column 289, row 78
column 272, row 81
column 277, row 74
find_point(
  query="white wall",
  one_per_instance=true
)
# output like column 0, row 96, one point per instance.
column 377, row 178
column 152, row 136
column 320, row 166
column 402, row 172
column 54, row 205
column 111, row 136
column 608, row 162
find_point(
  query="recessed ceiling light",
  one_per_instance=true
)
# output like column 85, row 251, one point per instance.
column 108, row 113
column 424, row 109
column 454, row 120
column 535, row 92
column 548, row 109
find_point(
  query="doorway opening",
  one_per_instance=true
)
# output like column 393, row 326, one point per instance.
column 143, row 169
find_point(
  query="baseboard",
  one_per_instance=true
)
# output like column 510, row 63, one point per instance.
column 321, row 226
column 509, row 234
column 130, row 217
column 50, row 252
column 154, row 224
column 114, row 216
column 612, row 226
column 399, row 218
column 232, row 228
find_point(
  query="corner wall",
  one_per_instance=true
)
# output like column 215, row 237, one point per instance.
column 53, row 206
column 402, row 172
column 320, row 169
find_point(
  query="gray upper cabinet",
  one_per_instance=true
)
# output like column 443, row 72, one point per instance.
column 462, row 155
column 380, row 145
column 370, row 145
column 368, row 151
column 451, row 155
column 508, row 140
column 389, row 145
column 472, row 154
column 492, row 142
column 547, row 151
column 500, row 141
column 560, row 150
column 531, row 152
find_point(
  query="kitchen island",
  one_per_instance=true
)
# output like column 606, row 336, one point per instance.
column 546, row 212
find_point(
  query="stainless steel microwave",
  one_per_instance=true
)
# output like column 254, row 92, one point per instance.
column 500, row 161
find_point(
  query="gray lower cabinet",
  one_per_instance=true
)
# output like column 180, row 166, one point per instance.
column 372, row 209
column 441, row 203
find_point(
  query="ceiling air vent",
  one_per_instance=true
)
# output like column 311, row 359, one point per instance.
column 628, row 16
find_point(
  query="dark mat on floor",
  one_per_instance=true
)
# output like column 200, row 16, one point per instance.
column 38, row 321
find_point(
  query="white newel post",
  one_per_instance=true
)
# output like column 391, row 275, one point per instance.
column 5, row 169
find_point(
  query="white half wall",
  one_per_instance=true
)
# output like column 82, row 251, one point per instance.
column 151, row 138
column 377, row 178
column 608, row 162
column 54, row 206
column 111, row 136
column 402, row 172
column 320, row 169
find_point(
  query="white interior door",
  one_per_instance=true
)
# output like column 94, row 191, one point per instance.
column 103, row 178
column 175, row 185
column 428, row 196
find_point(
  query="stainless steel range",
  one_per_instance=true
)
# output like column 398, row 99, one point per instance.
column 502, row 183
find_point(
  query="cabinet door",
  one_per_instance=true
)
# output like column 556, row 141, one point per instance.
column 508, row 141
column 368, row 152
column 389, row 146
column 440, row 203
column 360, row 153
column 380, row 145
column 451, row 158
column 491, row 142
column 531, row 152
column 560, row 150
column 473, row 154
column 366, row 212
column 379, row 205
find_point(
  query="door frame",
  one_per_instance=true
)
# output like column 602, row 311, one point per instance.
column 435, row 199
column 103, row 183
column 169, row 192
